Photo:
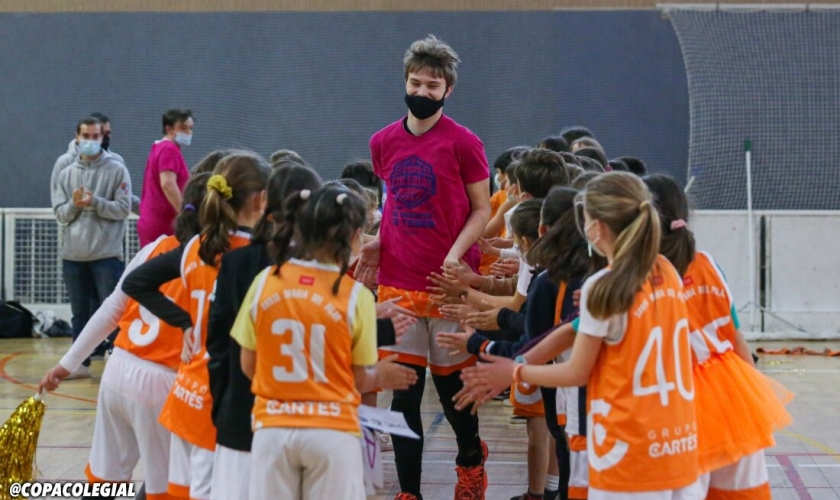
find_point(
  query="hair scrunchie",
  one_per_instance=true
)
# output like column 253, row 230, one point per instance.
column 220, row 184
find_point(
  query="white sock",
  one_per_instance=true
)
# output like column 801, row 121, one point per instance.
column 552, row 483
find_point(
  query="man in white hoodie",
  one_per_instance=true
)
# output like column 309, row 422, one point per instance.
column 91, row 201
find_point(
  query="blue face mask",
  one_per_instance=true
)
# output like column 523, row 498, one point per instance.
column 89, row 147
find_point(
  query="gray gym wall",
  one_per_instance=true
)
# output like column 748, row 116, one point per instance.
column 322, row 83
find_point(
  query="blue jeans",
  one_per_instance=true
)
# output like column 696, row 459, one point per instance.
column 88, row 285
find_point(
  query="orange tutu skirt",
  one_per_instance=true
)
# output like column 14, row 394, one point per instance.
column 738, row 409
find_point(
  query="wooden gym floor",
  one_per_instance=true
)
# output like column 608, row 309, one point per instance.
column 805, row 464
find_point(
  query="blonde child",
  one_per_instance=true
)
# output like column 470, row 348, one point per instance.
column 632, row 352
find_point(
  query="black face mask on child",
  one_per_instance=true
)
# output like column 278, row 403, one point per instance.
column 423, row 107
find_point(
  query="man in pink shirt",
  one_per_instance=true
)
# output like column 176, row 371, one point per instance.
column 165, row 176
column 438, row 204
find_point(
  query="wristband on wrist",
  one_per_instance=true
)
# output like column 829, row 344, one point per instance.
column 517, row 373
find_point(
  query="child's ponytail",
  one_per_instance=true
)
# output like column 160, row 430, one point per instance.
column 622, row 202
column 187, row 224
column 236, row 178
column 678, row 244
column 284, row 231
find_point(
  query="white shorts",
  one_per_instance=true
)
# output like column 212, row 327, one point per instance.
column 231, row 470
column 579, row 476
column 306, row 464
column 694, row 491
column 126, row 429
column 419, row 347
column 190, row 470
column 746, row 477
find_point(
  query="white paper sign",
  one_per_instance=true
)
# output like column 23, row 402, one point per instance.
column 385, row 421
column 372, row 461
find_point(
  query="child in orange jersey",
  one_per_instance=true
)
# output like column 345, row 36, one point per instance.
column 308, row 342
column 738, row 408
column 234, row 203
column 632, row 353
column 139, row 373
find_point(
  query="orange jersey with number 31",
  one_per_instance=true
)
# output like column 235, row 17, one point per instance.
column 304, row 344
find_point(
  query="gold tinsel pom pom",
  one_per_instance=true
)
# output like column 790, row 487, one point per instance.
column 18, row 442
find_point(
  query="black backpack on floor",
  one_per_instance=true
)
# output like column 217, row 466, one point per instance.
column 15, row 320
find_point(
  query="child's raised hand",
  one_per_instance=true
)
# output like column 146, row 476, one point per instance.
column 401, row 325
column 368, row 262
column 488, row 378
column 487, row 248
column 484, row 320
column 391, row 375
column 505, row 268
column 446, row 284
column 457, row 341
column 465, row 397
column 500, row 242
column 390, row 310
column 457, row 312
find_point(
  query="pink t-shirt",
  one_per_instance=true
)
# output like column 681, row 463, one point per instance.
column 427, row 204
column 156, row 213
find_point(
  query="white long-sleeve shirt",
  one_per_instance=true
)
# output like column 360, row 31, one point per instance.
column 107, row 317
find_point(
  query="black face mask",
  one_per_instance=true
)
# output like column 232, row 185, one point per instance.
column 422, row 107
column 106, row 141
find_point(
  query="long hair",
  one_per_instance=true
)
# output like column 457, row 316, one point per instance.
column 677, row 243
column 622, row 202
column 187, row 224
column 562, row 250
column 236, row 178
column 323, row 221
column 282, row 183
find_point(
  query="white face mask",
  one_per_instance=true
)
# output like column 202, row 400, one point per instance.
column 592, row 242
column 183, row 139
column 89, row 147
column 497, row 181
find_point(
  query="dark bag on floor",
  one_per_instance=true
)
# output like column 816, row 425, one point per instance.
column 15, row 321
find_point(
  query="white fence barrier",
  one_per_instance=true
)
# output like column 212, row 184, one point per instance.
column 31, row 266
column 796, row 280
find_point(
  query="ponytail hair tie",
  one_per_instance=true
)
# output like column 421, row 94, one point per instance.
column 340, row 198
column 304, row 194
column 189, row 207
column 220, row 184
column 677, row 224
column 644, row 204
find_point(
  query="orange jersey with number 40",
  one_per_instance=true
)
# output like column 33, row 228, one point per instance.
column 641, row 423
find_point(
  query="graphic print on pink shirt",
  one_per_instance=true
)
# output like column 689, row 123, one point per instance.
column 427, row 205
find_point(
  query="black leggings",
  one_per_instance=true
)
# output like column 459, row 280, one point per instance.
column 408, row 453
column 558, row 432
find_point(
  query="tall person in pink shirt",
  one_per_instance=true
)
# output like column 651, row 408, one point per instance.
column 165, row 177
column 437, row 207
